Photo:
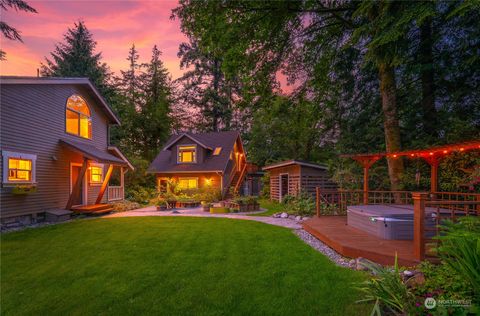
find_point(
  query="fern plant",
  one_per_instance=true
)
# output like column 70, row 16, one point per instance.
column 386, row 290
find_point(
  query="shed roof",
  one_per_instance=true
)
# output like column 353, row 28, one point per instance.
column 294, row 162
column 163, row 162
column 64, row 80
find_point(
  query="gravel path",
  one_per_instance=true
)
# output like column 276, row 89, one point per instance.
column 327, row 251
column 197, row 212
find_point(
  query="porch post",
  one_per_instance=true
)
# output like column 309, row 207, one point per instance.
column 434, row 176
column 122, row 182
column 76, row 188
column 365, row 183
column 419, row 199
column 104, row 184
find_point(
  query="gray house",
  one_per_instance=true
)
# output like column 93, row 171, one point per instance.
column 55, row 151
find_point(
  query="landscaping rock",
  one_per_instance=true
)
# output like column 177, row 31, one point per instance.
column 305, row 218
column 352, row 262
column 321, row 247
column 417, row 279
column 359, row 264
column 408, row 273
column 298, row 218
column 284, row 215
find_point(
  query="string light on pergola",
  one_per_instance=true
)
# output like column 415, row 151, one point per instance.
column 431, row 155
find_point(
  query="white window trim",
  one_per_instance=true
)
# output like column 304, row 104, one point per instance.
column 186, row 145
column 99, row 165
column 11, row 154
column 189, row 178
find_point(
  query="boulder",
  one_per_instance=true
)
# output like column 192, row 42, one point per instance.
column 284, row 215
column 417, row 279
column 305, row 218
column 298, row 218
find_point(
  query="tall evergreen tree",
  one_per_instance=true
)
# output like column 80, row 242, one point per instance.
column 8, row 31
column 206, row 88
column 155, row 112
column 76, row 57
column 128, row 101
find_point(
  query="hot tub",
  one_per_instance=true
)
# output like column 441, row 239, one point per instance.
column 387, row 221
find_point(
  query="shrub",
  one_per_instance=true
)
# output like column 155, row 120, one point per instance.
column 302, row 204
column 387, row 290
column 123, row 206
column 460, row 250
column 265, row 193
column 141, row 195
column 288, row 199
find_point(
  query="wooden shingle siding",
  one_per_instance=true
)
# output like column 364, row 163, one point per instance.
column 33, row 121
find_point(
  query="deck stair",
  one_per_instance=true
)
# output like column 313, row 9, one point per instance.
column 94, row 209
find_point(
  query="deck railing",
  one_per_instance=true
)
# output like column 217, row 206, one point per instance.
column 428, row 207
column 335, row 202
column 115, row 193
column 429, row 210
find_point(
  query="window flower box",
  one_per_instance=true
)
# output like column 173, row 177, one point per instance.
column 24, row 189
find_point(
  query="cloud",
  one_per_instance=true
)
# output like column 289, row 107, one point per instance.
column 115, row 25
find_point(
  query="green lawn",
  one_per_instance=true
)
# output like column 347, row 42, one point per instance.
column 170, row 266
column 272, row 207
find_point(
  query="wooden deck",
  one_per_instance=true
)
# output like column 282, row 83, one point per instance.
column 93, row 209
column 354, row 243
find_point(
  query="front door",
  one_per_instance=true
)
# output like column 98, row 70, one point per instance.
column 283, row 186
column 75, row 171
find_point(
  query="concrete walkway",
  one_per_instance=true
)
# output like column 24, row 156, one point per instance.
column 197, row 212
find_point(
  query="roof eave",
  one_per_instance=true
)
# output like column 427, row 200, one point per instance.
column 57, row 80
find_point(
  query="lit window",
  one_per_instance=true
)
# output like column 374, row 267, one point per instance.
column 78, row 119
column 217, row 151
column 96, row 174
column 187, row 183
column 187, row 154
column 18, row 167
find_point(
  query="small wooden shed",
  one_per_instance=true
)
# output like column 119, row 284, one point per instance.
column 293, row 176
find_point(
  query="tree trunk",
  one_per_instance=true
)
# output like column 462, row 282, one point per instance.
column 390, row 123
column 426, row 75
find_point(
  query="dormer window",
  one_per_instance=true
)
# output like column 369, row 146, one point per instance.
column 78, row 119
column 187, row 154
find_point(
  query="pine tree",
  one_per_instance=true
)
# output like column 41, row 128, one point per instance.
column 206, row 88
column 8, row 31
column 76, row 57
column 155, row 111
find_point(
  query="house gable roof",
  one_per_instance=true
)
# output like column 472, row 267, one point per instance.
column 164, row 163
column 173, row 141
column 62, row 80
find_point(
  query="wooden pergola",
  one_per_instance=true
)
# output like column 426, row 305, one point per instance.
column 431, row 155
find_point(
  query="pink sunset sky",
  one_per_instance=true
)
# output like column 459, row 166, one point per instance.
column 115, row 25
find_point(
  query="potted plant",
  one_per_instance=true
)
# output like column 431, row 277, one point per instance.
column 205, row 206
column 171, row 200
column 161, row 204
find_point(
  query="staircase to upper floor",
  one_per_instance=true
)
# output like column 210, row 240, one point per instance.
column 236, row 183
